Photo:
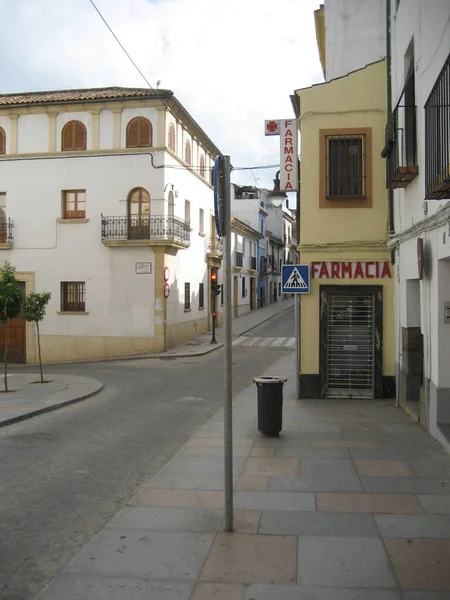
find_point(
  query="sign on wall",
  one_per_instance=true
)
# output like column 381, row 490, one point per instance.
column 143, row 268
column 288, row 155
column 351, row 270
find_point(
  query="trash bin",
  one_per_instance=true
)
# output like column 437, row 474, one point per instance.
column 270, row 404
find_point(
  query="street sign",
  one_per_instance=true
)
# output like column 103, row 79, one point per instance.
column 295, row 279
column 166, row 290
column 219, row 195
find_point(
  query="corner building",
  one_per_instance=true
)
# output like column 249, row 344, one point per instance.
column 347, row 320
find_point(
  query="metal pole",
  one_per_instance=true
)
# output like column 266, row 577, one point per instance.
column 297, row 343
column 165, row 323
column 228, row 409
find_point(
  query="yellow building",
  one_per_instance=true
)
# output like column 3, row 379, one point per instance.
column 347, row 320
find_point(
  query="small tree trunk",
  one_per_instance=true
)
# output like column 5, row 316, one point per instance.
column 5, row 354
column 39, row 350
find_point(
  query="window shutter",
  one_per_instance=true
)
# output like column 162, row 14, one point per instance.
column 133, row 134
column 80, row 136
column 2, row 141
column 67, row 136
column 144, row 133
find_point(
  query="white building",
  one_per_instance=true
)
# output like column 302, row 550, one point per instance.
column 417, row 151
column 244, row 245
column 107, row 203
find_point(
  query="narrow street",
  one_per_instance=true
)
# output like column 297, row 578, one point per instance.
column 65, row 474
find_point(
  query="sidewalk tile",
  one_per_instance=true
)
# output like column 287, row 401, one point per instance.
column 383, row 468
column 420, row 564
column 369, row 427
column 252, row 559
column 370, row 503
column 271, row 466
column 310, row 452
column 156, row 518
column 303, row 592
column 219, row 591
column 414, row 526
column 180, row 498
column 435, row 505
column 319, row 427
column 346, row 443
column 276, row 522
column 145, row 554
column 262, row 452
column 275, row 501
column 74, row 587
column 405, row 485
column 253, row 483
column 245, row 521
column 425, row 595
column 344, row 562
column 330, row 483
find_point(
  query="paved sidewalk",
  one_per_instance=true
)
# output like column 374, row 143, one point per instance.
column 28, row 397
column 351, row 502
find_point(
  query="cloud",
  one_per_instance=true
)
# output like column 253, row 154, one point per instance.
column 232, row 65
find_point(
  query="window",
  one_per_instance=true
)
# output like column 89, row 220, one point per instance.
column 187, row 211
column 2, row 141
column 202, row 166
column 74, row 204
column 139, row 133
column 201, row 295
column 73, row 136
column 187, row 296
column 346, row 172
column 172, row 137
column 187, row 153
column 243, row 287
column 437, row 137
column 73, row 296
column 138, row 214
column 201, row 221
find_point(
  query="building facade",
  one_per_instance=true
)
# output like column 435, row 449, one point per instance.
column 417, row 157
column 107, row 203
column 244, row 243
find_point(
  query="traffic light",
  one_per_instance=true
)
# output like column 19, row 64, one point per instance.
column 215, row 287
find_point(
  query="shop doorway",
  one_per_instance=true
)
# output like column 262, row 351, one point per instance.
column 350, row 361
column 15, row 334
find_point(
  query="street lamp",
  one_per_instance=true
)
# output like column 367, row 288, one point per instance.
column 275, row 197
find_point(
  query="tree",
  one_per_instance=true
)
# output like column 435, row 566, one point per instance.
column 34, row 310
column 10, row 305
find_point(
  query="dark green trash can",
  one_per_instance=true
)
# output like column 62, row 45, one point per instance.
column 270, row 404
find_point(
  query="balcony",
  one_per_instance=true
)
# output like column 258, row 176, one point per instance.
column 400, row 147
column 253, row 263
column 238, row 260
column 437, row 138
column 214, row 247
column 150, row 231
column 6, row 233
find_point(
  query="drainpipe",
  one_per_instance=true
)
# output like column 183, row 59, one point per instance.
column 389, row 111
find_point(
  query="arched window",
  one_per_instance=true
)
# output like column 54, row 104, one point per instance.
column 138, row 214
column 73, row 136
column 187, row 153
column 2, row 141
column 202, row 166
column 139, row 133
column 172, row 137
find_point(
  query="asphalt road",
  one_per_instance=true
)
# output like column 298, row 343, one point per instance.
column 65, row 474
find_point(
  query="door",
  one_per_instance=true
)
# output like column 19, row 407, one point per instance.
column 236, row 296
column 351, row 355
column 139, row 214
column 15, row 334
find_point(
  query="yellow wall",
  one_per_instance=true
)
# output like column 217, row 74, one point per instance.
column 356, row 101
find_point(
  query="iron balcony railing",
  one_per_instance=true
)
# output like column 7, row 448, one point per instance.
column 238, row 259
column 400, row 148
column 437, row 137
column 150, row 228
column 214, row 245
column 6, row 231
column 253, row 263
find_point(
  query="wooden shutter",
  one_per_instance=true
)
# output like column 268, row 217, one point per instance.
column 133, row 134
column 144, row 133
column 80, row 136
column 172, row 137
column 67, row 136
column 2, row 141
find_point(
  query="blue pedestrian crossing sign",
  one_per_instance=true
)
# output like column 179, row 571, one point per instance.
column 295, row 279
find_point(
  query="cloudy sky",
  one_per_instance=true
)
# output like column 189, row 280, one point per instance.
column 231, row 63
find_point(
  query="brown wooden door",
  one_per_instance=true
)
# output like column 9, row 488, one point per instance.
column 16, row 332
column 139, row 215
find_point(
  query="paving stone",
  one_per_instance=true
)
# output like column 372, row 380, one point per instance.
column 180, row 498
column 434, row 504
column 383, row 468
column 331, row 483
column 303, row 592
column 252, row 559
column 346, row 443
column 218, row 591
column 425, row 595
column 272, row 466
column 196, row 520
column 368, row 427
column 405, row 485
column 344, row 562
column 244, row 521
column 371, row 503
column 414, row 526
column 420, row 564
column 253, row 483
column 145, row 554
column 296, row 501
column 212, row 451
column 309, row 452
column 263, row 452
column 319, row 426
column 431, row 467
column 74, row 587
column 275, row 522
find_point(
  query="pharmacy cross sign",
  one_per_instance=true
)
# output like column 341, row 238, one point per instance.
column 295, row 279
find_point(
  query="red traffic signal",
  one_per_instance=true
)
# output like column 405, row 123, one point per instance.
column 214, row 277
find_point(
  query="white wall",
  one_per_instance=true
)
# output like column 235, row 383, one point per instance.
column 355, row 33
column 32, row 134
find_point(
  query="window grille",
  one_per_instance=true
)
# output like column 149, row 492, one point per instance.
column 346, row 166
column 73, row 296
column 187, row 296
column 201, row 295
